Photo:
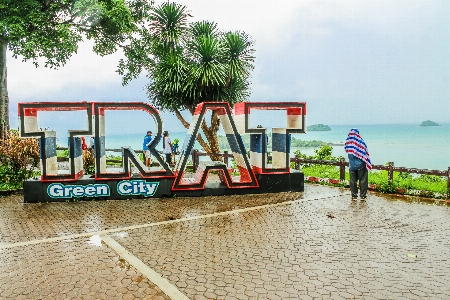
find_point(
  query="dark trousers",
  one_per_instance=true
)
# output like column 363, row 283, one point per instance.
column 362, row 176
column 168, row 158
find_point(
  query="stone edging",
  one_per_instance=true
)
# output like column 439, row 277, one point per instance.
column 11, row 192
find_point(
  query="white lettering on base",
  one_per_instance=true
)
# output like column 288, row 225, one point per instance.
column 137, row 187
column 58, row 190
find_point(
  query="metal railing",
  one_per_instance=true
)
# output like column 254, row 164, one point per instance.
column 390, row 168
column 342, row 164
column 196, row 154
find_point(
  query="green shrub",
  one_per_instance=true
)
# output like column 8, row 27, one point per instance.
column 322, row 171
column 430, row 183
column 386, row 187
column 62, row 153
column 18, row 160
column 114, row 157
column 324, row 153
column 88, row 162
column 316, row 170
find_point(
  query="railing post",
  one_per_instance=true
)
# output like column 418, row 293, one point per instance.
column 225, row 158
column 342, row 169
column 297, row 164
column 390, row 170
column 195, row 159
column 448, row 178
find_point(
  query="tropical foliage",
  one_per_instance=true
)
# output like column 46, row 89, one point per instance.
column 192, row 63
column 297, row 143
column 18, row 160
column 88, row 162
column 301, row 143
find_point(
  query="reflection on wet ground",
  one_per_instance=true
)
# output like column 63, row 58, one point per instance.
column 316, row 244
column 415, row 199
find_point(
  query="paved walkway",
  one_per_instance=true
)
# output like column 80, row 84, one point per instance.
column 312, row 245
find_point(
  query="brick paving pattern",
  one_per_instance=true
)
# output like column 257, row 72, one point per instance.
column 71, row 269
column 312, row 245
column 22, row 222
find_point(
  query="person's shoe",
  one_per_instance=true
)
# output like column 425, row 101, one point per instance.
column 363, row 198
column 354, row 198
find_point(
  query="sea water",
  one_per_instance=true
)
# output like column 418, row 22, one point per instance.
column 406, row 145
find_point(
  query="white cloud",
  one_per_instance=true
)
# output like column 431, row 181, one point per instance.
column 305, row 49
column 273, row 25
column 83, row 69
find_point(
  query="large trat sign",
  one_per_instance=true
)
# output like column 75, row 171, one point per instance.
column 63, row 185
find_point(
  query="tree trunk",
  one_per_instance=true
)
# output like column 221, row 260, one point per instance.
column 212, row 138
column 212, row 144
column 199, row 137
column 4, row 99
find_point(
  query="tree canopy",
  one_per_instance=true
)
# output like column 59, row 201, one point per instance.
column 52, row 29
column 193, row 62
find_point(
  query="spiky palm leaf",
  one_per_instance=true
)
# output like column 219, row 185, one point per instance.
column 207, row 68
column 169, row 22
column 238, row 55
column 204, row 28
column 168, row 80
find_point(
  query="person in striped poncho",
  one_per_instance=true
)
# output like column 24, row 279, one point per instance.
column 360, row 164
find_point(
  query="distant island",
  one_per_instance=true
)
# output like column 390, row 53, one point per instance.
column 429, row 123
column 319, row 127
column 295, row 142
column 301, row 143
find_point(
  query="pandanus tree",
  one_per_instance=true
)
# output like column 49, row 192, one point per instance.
column 193, row 63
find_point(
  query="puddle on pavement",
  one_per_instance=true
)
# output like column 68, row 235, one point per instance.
column 414, row 199
column 95, row 240
column 121, row 234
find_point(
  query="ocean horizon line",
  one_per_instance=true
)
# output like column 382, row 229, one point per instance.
column 334, row 125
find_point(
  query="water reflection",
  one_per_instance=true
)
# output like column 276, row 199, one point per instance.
column 121, row 234
column 92, row 222
column 413, row 199
column 95, row 240
column 358, row 205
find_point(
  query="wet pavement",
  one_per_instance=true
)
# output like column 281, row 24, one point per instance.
column 313, row 245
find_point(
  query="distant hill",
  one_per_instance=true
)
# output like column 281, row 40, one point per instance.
column 429, row 123
column 319, row 127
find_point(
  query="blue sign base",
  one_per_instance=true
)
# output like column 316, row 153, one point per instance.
column 88, row 189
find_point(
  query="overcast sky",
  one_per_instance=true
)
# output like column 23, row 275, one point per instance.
column 353, row 62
